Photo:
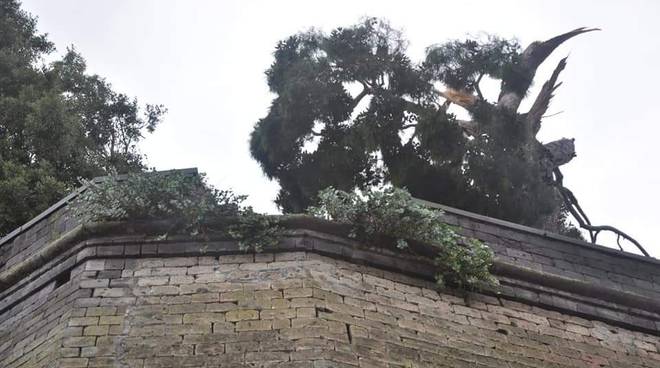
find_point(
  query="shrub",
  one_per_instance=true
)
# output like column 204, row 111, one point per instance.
column 392, row 212
column 190, row 205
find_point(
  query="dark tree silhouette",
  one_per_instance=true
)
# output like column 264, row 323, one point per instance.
column 57, row 123
column 352, row 110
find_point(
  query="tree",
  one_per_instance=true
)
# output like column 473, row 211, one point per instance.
column 57, row 123
column 352, row 111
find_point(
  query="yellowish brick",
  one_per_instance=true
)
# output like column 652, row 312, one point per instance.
column 96, row 330
column 241, row 315
column 254, row 325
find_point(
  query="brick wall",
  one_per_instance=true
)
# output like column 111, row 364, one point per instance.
column 31, row 331
column 19, row 245
column 299, row 309
column 119, row 298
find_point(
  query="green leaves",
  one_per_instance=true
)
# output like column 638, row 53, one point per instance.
column 392, row 212
column 58, row 121
column 461, row 64
column 192, row 206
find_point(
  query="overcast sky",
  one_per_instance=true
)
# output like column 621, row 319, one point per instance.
column 205, row 60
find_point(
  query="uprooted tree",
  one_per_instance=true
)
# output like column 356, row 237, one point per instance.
column 353, row 111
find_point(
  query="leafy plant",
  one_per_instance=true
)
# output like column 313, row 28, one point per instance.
column 191, row 205
column 394, row 213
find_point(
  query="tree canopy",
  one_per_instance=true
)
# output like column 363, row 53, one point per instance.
column 57, row 122
column 351, row 110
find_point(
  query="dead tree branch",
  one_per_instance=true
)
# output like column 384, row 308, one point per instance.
column 576, row 211
column 515, row 85
column 542, row 101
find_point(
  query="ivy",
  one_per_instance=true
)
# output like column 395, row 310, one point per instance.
column 190, row 205
column 392, row 212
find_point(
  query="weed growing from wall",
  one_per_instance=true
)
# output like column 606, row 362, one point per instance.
column 187, row 202
column 392, row 212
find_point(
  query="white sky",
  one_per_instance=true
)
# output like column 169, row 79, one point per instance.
column 205, row 60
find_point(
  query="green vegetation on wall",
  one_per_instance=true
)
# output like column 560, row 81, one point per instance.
column 192, row 207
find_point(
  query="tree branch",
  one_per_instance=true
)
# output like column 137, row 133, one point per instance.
column 469, row 126
column 537, row 52
column 476, row 86
column 359, row 97
column 542, row 101
column 574, row 208
column 412, row 106
column 551, row 115
column 518, row 81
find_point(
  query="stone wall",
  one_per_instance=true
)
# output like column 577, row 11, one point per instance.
column 111, row 296
column 300, row 309
column 31, row 331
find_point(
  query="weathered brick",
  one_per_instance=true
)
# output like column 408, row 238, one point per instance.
column 298, row 293
column 73, row 362
column 83, row 321
column 241, row 315
column 78, row 341
column 96, row 330
column 100, row 311
column 254, row 325
column 153, row 281
column 111, row 320
column 94, row 283
column 278, row 313
column 111, row 292
column 204, row 318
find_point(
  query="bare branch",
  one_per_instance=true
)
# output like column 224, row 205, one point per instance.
column 537, row 52
column 359, row 97
column 516, row 84
column 551, row 115
column 476, row 86
column 574, row 208
column 542, row 101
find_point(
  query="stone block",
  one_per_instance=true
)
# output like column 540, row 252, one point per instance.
column 241, row 315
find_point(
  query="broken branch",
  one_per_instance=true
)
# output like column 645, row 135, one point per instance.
column 542, row 101
column 574, row 208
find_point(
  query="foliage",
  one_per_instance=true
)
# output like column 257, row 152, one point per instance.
column 57, row 123
column 192, row 206
column 393, row 212
column 460, row 64
column 352, row 111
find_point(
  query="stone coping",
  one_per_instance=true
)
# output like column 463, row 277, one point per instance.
column 534, row 231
